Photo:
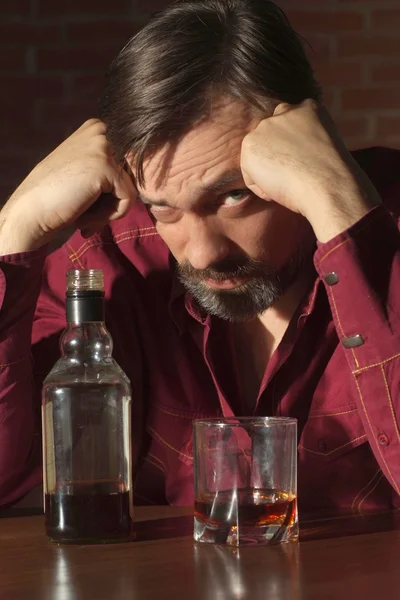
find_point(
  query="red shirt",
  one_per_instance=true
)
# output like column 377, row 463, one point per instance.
column 181, row 363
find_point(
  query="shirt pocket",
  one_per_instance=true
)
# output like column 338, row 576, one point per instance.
column 326, row 437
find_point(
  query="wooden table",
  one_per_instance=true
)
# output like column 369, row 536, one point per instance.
column 338, row 558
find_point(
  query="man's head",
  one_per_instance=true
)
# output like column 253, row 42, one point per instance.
column 178, row 102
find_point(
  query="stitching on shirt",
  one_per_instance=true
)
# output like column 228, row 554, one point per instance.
column 74, row 254
column 118, row 235
column 340, row 325
column 333, row 249
column 390, row 402
column 15, row 362
column 345, row 412
column 175, row 414
column 383, row 362
column 156, row 463
column 158, row 460
column 369, row 493
column 130, row 237
column 169, row 445
column 365, row 488
column 356, row 233
column 372, row 431
column 96, row 242
column 336, row 449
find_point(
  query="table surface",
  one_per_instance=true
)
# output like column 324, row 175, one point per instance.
column 338, row 558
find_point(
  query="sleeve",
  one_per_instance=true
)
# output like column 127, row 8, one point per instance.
column 31, row 320
column 361, row 272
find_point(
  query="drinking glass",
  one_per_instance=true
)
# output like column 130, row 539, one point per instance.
column 245, row 479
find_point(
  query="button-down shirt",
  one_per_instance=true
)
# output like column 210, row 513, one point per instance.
column 336, row 369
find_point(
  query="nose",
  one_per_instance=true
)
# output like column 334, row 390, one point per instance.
column 206, row 245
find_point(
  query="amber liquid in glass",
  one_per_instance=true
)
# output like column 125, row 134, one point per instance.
column 247, row 508
column 89, row 514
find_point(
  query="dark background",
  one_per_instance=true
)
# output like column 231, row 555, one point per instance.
column 54, row 52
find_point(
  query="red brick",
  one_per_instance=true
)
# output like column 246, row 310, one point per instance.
column 80, row 7
column 359, row 143
column 5, row 192
column 386, row 20
column 356, row 127
column 12, row 59
column 339, row 72
column 25, row 89
column 100, row 31
column 64, row 117
column 388, row 126
column 326, row 21
column 25, row 33
column 15, row 7
column 16, row 164
column 364, row 45
column 318, row 46
column 77, row 57
column 389, row 141
column 329, row 96
column 87, row 86
column 371, row 99
column 386, row 73
column 150, row 6
column 18, row 130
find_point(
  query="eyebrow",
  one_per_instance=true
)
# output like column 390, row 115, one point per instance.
column 222, row 182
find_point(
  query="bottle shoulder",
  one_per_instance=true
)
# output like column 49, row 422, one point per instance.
column 72, row 371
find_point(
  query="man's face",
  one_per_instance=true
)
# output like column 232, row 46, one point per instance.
column 236, row 253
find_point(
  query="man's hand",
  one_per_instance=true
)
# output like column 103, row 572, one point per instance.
column 297, row 159
column 62, row 191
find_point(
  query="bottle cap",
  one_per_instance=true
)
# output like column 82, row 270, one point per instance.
column 85, row 280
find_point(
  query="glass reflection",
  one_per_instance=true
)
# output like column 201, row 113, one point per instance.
column 238, row 573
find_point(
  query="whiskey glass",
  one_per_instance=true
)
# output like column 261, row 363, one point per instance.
column 245, row 480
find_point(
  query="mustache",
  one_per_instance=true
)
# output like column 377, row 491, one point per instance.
column 228, row 268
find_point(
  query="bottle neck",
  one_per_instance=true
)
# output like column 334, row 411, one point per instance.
column 86, row 338
column 85, row 307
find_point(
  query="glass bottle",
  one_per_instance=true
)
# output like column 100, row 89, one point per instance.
column 86, row 416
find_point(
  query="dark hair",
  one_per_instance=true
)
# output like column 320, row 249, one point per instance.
column 162, row 81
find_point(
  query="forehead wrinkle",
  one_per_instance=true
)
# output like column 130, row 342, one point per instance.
column 223, row 150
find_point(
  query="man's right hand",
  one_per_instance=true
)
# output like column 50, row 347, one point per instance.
column 62, row 191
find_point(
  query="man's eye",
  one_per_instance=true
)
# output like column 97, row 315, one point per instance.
column 166, row 214
column 235, row 197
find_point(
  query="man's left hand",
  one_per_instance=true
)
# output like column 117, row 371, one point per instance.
column 297, row 159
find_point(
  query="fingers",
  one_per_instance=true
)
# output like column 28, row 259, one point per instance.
column 283, row 107
column 109, row 206
column 126, row 194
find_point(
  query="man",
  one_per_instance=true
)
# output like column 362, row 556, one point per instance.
column 258, row 273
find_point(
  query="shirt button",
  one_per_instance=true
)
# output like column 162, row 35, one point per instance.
column 322, row 445
column 383, row 439
column 332, row 278
column 353, row 341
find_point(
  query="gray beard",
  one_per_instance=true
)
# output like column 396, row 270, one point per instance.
column 262, row 290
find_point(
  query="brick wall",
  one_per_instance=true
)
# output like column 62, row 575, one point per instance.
column 54, row 52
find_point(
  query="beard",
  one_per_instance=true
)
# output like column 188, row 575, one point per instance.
column 262, row 288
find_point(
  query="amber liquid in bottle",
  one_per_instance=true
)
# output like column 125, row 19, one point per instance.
column 89, row 513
